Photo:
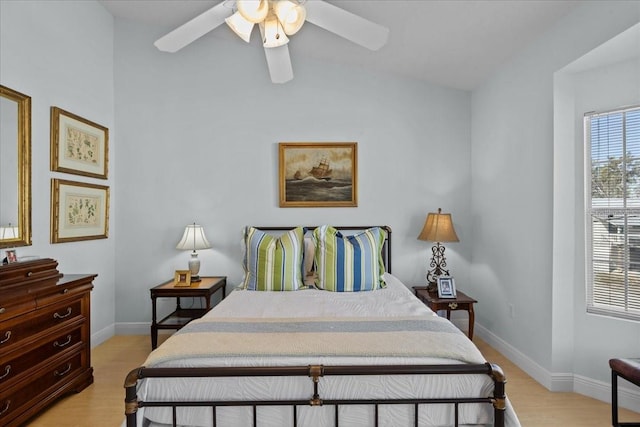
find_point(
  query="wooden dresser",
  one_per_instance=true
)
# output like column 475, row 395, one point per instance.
column 45, row 348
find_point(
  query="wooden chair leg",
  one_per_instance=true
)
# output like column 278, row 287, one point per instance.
column 614, row 399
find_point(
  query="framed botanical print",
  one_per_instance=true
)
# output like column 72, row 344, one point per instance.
column 79, row 211
column 319, row 174
column 78, row 146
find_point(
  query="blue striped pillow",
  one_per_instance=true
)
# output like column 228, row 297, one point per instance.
column 273, row 263
column 349, row 263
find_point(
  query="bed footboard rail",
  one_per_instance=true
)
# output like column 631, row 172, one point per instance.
column 315, row 373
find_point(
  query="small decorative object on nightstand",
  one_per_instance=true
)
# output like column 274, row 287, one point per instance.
column 438, row 227
column 460, row 302
column 182, row 278
column 194, row 238
column 446, row 287
column 205, row 288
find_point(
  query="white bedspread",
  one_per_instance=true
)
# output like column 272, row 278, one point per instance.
column 394, row 303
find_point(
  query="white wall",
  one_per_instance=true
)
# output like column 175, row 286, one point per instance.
column 517, row 198
column 199, row 132
column 600, row 88
column 61, row 54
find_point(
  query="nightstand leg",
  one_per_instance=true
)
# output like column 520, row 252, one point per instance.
column 154, row 326
column 472, row 318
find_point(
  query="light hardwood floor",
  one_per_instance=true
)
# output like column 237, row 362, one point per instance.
column 102, row 404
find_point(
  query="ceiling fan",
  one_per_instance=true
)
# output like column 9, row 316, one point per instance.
column 276, row 19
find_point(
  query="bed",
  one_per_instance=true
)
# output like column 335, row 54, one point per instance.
column 332, row 351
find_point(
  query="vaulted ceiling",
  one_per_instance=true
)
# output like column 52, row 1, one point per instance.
column 454, row 43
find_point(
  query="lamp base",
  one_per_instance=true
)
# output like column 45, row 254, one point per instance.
column 438, row 263
column 194, row 267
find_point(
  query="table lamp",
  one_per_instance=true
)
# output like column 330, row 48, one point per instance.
column 438, row 228
column 194, row 239
column 9, row 232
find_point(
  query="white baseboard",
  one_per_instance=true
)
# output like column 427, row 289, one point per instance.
column 627, row 398
column 102, row 335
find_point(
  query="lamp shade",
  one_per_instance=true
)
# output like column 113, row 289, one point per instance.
column 240, row 26
column 9, row 232
column 438, row 227
column 193, row 238
column 290, row 15
column 253, row 10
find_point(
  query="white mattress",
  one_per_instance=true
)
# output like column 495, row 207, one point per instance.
column 394, row 301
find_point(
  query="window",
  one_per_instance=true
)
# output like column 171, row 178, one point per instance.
column 612, row 141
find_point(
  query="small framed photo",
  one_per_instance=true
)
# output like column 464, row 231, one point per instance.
column 12, row 256
column 182, row 279
column 446, row 287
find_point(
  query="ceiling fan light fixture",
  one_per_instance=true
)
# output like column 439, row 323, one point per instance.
column 291, row 15
column 272, row 32
column 240, row 26
column 253, row 10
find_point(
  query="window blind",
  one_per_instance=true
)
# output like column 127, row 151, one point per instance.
column 612, row 178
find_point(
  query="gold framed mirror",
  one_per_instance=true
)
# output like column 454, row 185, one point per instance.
column 15, row 168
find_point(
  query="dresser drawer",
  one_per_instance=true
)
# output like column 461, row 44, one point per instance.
column 60, row 293
column 18, row 400
column 18, row 363
column 14, row 331
column 20, row 274
column 9, row 311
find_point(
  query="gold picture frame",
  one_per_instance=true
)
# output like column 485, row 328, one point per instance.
column 79, row 211
column 78, row 146
column 182, row 279
column 318, row 174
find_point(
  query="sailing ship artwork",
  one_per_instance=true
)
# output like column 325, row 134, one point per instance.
column 318, row 174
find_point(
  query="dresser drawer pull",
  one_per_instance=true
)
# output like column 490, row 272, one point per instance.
column 62, row 316
column 2, row 310
column 7, row 336
column 6, row 407
column 67, row 342
column 64, row 372
column 7, row 369
column 65, row 291
column 453, row 305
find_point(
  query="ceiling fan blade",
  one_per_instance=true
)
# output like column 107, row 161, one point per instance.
column 194, row 29
column 346, row 24
column 279, row 63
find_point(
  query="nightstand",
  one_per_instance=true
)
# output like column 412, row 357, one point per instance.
column 181, row 316
column 461, row 302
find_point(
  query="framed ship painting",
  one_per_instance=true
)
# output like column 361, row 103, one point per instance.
column 319, row 174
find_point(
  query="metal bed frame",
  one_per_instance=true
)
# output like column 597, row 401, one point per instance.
column 316, row 373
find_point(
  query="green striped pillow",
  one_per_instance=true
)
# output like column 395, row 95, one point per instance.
column 349, row 263
column 273, row 263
